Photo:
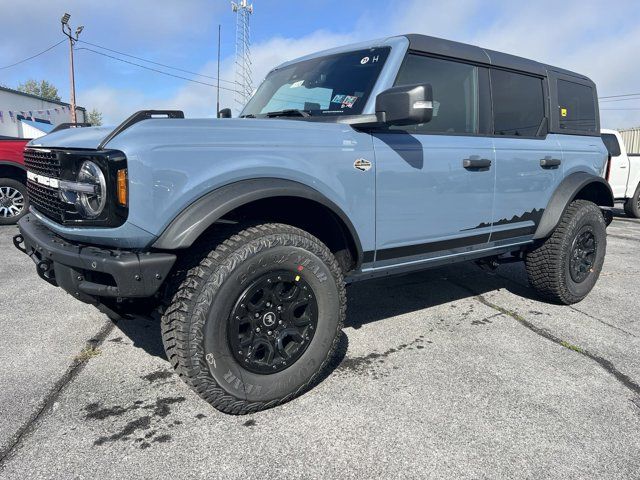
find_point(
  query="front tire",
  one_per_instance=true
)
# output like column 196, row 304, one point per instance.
column 632, row 205
column 14, row 201
column 567, row 265
column 255, row 323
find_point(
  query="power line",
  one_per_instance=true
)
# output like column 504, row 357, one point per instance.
column 620, row 99
column 33, row 56
column 623, row 95
column 155, row 63
column 153, row 69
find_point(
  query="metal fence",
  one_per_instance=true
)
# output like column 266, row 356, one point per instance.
column 631, row 139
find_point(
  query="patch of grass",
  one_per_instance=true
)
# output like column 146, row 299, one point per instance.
column 571, row 346
column 87, row 353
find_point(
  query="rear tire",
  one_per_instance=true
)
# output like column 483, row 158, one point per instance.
column 273, row 278
column 567, row 265
column 632, row 205
column 14, row 201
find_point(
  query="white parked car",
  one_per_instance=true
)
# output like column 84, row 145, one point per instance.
column 623, row 172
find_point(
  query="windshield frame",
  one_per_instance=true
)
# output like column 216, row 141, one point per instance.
column 364, row 101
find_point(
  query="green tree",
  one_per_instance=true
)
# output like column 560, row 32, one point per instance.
column 40, row 88
column 94, row 118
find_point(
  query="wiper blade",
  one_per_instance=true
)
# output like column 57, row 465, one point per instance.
column 250, row 115
column 291, row 112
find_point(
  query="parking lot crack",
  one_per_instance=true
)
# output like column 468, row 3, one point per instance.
column 605, row 364
column 54, row 393
column 602, row 321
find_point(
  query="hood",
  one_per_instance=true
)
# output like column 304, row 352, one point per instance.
column 86, row 137
column 183, row 133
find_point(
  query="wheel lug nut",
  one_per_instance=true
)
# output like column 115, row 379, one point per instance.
column 268, row 304
column 270, row 332
column 279, row 322
column 257, row 315
column 258, row 329
column 279, row 308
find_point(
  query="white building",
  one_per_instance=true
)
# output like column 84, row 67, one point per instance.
column 29, row 116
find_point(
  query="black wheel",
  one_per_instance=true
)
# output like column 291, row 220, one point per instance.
column 257, row 320
column 632, row 205
column 567, row 265
column 14, row 202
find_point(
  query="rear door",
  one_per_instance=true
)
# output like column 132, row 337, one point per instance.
column 427, row 203
column 528, row 159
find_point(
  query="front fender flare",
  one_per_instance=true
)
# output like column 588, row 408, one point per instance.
column 204, row 212
column 566, row 192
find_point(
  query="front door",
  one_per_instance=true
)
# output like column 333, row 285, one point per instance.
column 435, row 181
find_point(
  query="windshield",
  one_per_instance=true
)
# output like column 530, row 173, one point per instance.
column 334, row 85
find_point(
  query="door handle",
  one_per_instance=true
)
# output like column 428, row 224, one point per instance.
column 475, row 163
column 548, row 162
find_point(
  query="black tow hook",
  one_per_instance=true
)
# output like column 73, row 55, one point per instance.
column 45, row 271
column 18, row 242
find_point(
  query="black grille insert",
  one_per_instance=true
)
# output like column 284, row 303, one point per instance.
column 43, row 162
column 45, row 200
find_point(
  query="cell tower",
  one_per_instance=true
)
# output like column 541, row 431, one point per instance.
column 244, row 84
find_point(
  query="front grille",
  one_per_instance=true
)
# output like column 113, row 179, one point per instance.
column 45, row 200
column 43, row 162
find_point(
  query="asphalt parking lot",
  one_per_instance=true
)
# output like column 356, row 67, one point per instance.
column 449, row 373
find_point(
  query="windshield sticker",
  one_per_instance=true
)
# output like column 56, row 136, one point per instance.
column 297, row 84
column 349, row 101
column 338, row 99
column 563, row 112
column 364, row 61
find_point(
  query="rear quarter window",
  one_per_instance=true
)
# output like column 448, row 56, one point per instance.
column 577, row 107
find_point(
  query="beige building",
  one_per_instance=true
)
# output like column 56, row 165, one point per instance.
column 631, row 139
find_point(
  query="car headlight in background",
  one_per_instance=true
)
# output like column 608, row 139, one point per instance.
column 88, row 193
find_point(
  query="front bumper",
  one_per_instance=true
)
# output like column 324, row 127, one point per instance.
column 89, row 272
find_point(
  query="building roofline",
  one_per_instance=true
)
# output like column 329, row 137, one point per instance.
column 18, row 92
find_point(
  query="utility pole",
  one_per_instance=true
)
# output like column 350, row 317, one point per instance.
column 66, row 29
column 218, row 90
column 243, row 81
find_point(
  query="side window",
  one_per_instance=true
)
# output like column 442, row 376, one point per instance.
column 455, row 93
column 611, row 142
column 518, row 103
column 577, row 106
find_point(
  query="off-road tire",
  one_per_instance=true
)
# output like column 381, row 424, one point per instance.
column 548, row 266
column 195, row 322
column 20, row 187
column 632, row 205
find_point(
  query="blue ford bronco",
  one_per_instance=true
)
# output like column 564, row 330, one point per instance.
column 363, row 161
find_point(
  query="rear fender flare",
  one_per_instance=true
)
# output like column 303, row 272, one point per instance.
column 568, row 190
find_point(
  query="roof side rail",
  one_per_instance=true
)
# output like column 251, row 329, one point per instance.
column 138, row 117
column 64, row 126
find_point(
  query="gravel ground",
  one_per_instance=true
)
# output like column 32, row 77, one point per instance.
column 449, row 373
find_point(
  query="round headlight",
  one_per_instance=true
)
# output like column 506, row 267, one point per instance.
column 92, row 204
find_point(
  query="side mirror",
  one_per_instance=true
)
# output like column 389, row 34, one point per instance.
column 224, row 113
column 405, row 105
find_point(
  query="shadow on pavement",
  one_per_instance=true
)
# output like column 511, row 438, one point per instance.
column 373, row 301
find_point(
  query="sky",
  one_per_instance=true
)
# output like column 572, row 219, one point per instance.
column 600, row 39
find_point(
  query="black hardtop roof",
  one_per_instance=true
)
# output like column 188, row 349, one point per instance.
column 449, row 48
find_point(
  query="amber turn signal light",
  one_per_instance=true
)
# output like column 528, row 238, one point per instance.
column 122, row 187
